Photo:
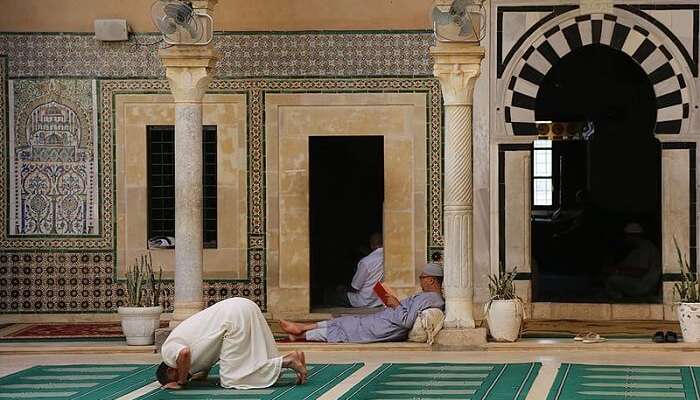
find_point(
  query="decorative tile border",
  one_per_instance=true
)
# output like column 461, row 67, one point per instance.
column 243, row 55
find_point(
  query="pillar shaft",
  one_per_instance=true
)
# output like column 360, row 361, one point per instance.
column 188, row 209
column 188, row 69
column 457, row 66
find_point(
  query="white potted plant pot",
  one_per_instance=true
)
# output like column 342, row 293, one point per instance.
column 505, row 318
column 139, row 324
column 689, row 317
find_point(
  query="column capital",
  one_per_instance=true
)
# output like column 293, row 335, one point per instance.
column 457, row 66
column 189, row 70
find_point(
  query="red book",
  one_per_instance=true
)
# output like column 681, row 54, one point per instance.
column 383, row 292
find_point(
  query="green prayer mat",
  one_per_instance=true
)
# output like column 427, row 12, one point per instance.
column 88, row 382
column 321, row 378
column 446, row 381
column 580, row 381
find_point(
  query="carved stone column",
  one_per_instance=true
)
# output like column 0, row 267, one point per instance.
column 457, row 66
column 188, row 69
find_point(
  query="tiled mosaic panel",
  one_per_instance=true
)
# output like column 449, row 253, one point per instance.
column 53, row 149
column 242, row 55
column 85, row 282
column 60, row 183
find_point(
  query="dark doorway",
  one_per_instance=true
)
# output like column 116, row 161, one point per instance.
column 605, row 206
column 346, row 196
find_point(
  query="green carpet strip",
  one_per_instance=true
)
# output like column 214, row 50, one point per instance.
column 87, row 382
column 446, row 381
column 322, row 378
column 579, row 381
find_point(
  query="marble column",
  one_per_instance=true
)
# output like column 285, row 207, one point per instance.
column 457, row 66
column 188, row 69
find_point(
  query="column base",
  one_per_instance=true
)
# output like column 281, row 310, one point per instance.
column 161, row 335
column 460, row 339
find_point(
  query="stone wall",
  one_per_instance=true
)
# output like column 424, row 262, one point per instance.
column 73, row 112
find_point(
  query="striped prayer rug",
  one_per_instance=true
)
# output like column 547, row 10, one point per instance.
column 441, row 381
column 579, row 382
column 86, row 382
column 321, row 378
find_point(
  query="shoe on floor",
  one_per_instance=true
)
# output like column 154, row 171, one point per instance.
column 658, row 337
column 593, row 337
column 671, row 337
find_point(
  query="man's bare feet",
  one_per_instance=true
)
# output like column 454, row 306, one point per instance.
column 291, row 327
column 297, row 362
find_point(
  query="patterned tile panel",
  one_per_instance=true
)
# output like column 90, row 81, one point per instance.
column 53, row 159
column 59, row 183
column 242, row 55
column 81, row 282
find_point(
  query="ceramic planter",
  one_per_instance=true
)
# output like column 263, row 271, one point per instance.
column 505, row 318
column 689, row 317
column 139, row 324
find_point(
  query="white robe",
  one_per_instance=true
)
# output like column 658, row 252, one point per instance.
column 235, row 332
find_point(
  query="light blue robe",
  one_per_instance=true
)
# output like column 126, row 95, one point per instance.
column 390, row 324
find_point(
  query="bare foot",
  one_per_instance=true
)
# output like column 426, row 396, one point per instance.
column 291, row 327
column 297, row 362
column 302, row 360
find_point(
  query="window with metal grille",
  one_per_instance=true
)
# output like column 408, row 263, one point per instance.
column 161, row 183
column 542, row 187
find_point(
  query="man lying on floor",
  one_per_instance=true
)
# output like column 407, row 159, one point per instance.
column 233, row 332
column 391, row 324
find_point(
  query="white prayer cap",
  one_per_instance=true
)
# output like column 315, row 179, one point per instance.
column 433, row 269
column 633, row 228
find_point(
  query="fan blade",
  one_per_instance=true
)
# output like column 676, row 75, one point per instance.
column 167, row 25
column 194, row 29
column 459, row 7
column 441, row 17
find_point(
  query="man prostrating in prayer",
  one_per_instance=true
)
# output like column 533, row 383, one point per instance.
column 391, row 324
column 233, row 332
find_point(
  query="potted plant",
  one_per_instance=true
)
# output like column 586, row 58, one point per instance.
column 504, row 310
column 687, row 291
column 141, row 317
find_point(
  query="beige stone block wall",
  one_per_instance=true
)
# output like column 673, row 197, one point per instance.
column 674, row 203
column 133, row 114
column 290, row 120
column 518, row 211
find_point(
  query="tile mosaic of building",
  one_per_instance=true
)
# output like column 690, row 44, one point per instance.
column 52, row 159
column 78, row 273
column 242, row 55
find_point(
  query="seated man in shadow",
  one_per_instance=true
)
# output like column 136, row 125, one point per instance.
column 370, row 270
column 637, row 275
column 391, row 324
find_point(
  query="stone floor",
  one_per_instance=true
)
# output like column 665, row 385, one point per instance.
column 550, row 361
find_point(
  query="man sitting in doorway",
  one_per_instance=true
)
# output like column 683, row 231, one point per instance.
column 391, row 324
column 637, row 275
column 233, row 332
column 370, row 270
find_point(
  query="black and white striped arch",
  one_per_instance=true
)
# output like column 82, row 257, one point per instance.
column 672, row 93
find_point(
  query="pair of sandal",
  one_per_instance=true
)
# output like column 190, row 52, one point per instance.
column 589, row 337
column 668, row 337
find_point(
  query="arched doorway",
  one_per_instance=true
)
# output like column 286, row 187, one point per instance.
column 597, row 238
